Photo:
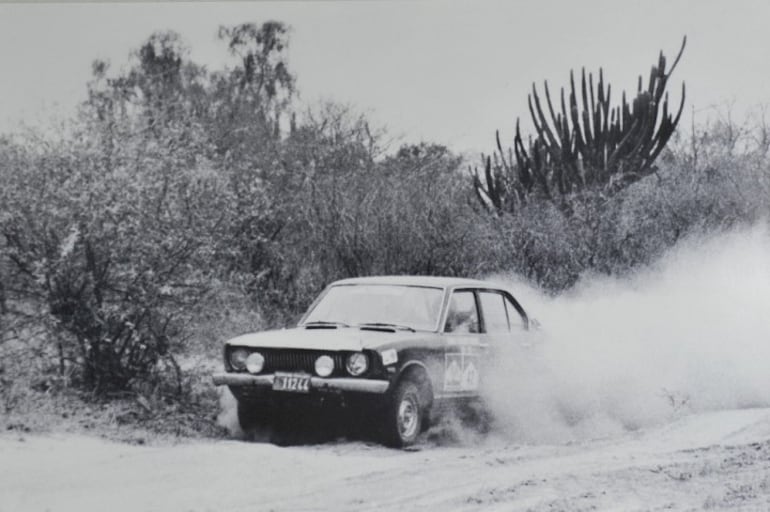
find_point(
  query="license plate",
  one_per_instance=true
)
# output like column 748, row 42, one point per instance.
column 294, row 382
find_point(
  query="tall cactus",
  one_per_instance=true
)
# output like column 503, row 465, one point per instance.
column 586, row 146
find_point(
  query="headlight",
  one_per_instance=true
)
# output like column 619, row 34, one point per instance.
column 255, row 362
column 357, row 363
column 324, row 366
column 238, row 358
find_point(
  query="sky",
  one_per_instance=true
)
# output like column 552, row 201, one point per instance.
column 449, row 72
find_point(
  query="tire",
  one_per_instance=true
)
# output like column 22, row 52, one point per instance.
column 404, row 415
column 253, row 416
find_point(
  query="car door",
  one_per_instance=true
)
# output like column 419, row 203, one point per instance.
column 494, row 315
column 506, row 327
column 465, row 345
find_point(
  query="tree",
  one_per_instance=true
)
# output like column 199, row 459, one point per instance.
column 588, row 148
column 249, row 101
column 263, row 76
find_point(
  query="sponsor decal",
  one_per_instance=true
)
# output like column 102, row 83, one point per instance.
column 389, row 356
column 470, row 378
column 461, row 371
column 453, row 372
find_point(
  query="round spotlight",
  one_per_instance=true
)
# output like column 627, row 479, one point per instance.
column 324, row 366
column 357, row 363
column 255, row 362
column 238, row 358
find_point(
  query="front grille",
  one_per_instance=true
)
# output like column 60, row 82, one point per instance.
column 297, row 360
column 287, row 360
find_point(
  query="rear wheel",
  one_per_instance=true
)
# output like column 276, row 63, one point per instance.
column 404, row 415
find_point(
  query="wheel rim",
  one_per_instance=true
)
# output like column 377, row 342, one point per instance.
column 408, row 417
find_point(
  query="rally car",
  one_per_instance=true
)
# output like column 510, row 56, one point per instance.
column 392, row 347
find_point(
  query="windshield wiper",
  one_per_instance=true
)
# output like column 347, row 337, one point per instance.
column 325, row 323
column 384, row 324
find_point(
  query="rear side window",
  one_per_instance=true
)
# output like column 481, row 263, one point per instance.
column 516, row 319
column 462, row 316
column 493, row 311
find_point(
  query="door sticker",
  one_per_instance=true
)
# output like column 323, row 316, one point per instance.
column 461, row 372
column 470, row 375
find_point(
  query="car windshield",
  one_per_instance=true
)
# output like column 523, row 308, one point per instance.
column 410, row 307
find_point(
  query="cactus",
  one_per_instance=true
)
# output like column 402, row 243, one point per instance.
column 588, row 146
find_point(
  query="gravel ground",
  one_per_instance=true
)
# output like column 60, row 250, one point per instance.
column 718, row 461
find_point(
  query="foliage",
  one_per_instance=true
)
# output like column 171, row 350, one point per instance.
column 116, row 253
column 230, row 118
column 590, row 148
column 347, row 210
column 713, row 179
column 263, row 79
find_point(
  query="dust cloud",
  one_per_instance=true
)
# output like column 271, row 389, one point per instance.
column 228, row 413
column 690, row 333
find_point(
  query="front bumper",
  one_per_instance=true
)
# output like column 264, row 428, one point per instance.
column 319, row 383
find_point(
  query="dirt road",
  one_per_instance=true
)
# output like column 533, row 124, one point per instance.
column 718, row 460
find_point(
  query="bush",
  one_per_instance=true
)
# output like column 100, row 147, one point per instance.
column 408, row 213
column 115, row 250
column 717, row 178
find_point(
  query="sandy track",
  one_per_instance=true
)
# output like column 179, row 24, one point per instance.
column 717, row 460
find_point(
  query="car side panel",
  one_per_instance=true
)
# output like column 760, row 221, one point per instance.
column 430, row 358
column 464, row 358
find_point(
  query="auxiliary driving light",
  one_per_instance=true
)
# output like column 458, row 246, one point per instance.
column 238, row 358
column 357, row 363
column 255, row 362
column 324, row 366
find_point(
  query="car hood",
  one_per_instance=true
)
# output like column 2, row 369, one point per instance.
column 345, row 338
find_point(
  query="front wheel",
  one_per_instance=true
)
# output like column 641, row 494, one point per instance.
column 252, row 417
column 404, row 415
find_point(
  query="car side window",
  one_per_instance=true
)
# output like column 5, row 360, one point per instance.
column 493, row 311
column 462, row 316
column 515, row 318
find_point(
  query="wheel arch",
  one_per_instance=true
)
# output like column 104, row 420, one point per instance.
column 417, row 372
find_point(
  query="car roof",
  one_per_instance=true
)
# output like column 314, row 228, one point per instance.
column 433, row 281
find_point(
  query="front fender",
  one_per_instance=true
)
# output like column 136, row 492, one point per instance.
column 428, row 363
